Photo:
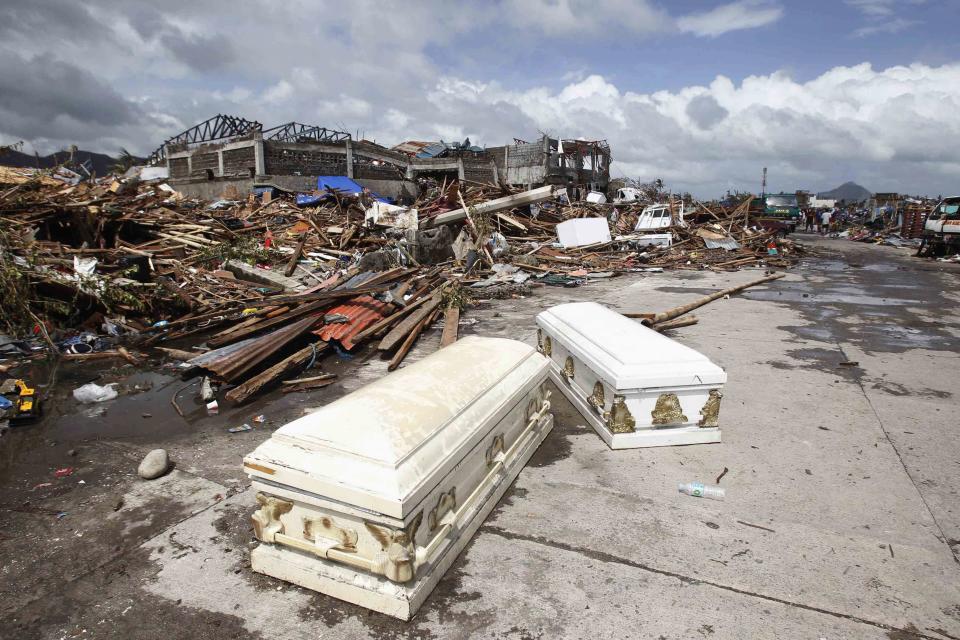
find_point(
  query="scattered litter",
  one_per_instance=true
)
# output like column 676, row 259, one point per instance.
column 240, row 429
column 63, row 473
column 207, row 392
column 93, row 392
column 722, row 473
column 755, row 526
column 213, row 408
column 700, row 490
column 260, row 419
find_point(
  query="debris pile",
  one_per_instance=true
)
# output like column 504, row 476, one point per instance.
column 251, row 290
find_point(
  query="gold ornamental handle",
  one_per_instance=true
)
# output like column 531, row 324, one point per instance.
column 452, row 518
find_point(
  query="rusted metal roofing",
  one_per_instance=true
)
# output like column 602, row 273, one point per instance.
column 234, row 361
column 361, row 312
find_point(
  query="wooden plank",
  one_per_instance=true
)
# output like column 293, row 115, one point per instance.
column 399, row 332
column 292, row 265
column 386, row 322
column 451, row 325
column 511, row 221
column 411, row 338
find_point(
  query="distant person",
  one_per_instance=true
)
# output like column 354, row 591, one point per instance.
column 809, row 216
column 825, row 222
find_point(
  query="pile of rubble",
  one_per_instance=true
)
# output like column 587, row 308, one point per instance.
column 252, row 289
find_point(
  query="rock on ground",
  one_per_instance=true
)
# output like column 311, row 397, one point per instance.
column 154, row 464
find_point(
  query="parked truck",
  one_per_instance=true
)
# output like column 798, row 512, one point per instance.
column 779, row 211
column 941, row 232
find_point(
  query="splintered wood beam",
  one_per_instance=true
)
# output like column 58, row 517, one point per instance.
column 399, row 332
column 411, row 338
column 676, row 323
column 292, row 265
column 451, row 324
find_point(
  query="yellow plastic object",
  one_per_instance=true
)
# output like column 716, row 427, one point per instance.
column 24, row 389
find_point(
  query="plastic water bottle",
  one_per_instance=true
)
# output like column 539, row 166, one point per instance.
column 700, row 490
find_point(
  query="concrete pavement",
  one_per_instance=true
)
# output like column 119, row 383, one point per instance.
column 841, row 518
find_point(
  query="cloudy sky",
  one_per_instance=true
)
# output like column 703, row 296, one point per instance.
column 703, row 94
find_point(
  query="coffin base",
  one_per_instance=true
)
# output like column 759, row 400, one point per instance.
column 375, row 592
column 641, row 438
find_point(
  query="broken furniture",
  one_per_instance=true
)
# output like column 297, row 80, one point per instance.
column 636, row 387
column 371, row 498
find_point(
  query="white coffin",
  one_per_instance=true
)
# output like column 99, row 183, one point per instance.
column 371, row 498
column 636, row 387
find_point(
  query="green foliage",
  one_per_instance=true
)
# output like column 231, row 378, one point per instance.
column 456, row 296
column 247, row 249
column 15, row 291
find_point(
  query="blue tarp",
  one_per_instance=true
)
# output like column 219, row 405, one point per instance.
column 345, row 184
column 342, row 184
column 308, row 199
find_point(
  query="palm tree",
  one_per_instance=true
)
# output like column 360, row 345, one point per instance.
column 124, row 161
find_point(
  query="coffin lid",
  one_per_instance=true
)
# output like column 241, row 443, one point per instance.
column 384, row 446
column 623, row 352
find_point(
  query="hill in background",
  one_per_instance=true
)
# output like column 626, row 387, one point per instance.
column 97, row 163
column 848, row 191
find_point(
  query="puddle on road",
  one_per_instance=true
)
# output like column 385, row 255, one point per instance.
column 143, row 412
column 872, row 303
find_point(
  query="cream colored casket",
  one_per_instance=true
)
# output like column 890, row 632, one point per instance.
column 636, row 387
column 371, row 498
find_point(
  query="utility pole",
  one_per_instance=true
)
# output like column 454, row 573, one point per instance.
column 763, row 186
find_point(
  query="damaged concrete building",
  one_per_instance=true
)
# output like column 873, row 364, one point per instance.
column 229, row 151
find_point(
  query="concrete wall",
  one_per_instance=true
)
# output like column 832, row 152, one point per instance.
column 212, row 189
column 286, row 158
column 239, row 162
column 520, row 164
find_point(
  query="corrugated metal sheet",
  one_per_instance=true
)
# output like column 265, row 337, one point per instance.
column 727, row 243
column 233, row 362
column 362, row 312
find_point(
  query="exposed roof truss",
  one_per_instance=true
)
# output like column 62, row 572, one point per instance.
column 295, row 132
column 219, row 127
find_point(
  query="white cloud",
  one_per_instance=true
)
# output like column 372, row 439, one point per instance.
column 381, row 69
column 883, row 16
column 743, row 14
column 874, row 8
column 891, row 129
column 559, row 17
column 895, row 25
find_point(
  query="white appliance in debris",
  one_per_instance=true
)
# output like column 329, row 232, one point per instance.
column 371, row 498
column 636, row 387
column 659, row 216
column 583, row 231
